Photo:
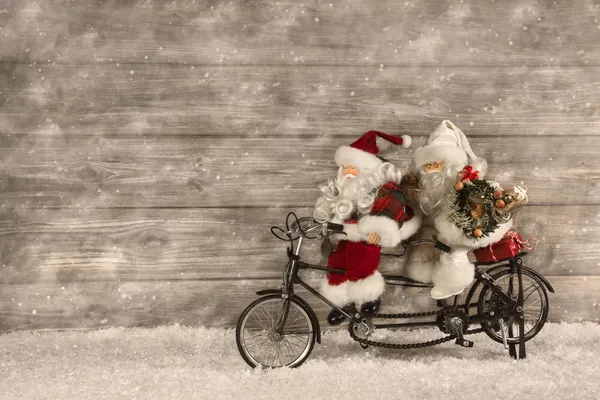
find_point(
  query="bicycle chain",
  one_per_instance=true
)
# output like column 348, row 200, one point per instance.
column 400, row 346
column 419, row 314
column 407, row 315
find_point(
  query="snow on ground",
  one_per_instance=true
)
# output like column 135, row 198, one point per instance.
column 197, row 363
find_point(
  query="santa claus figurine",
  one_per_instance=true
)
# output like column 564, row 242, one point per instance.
column 446, row 159
column 365, row 197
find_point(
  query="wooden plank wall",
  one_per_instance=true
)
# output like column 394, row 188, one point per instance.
column 148, row 145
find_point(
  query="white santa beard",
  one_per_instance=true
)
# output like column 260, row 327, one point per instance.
column 435, row 186
column 355, row 195
column 343, row 196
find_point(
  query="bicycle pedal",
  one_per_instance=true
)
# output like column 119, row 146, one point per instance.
column 464, row 342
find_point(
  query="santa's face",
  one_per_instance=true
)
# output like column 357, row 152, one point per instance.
column 350, row 183
column 434, row 166
column 349, row 171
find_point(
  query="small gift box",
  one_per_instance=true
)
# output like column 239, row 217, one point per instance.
column 508, row 247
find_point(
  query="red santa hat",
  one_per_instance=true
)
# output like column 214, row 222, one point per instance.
column 363, row 152
column 449, row 144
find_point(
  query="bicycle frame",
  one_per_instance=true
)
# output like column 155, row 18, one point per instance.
column 499, row 309
column 290, row 278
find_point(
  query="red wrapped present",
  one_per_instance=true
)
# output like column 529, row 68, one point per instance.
column 508, row 247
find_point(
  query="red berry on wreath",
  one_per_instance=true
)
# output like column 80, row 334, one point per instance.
column 459, row 186
column 477, row 233
column 498, row 194
column 500, row 203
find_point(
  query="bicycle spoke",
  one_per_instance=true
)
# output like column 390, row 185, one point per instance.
column 267, row 317
column 249, row 339
column 277, row 350
column 268, row 355
column 257, row 344
column 272, row 314
column 529, row 295
column 290, row 351
column 299, row 335
column 251, row 333
column 296, row 345
column 529, row 326
column 535, row 302
column 297, row 319
column 529, row 317
column 275, row 355
column 256, row 317
column 297, row 332
column 292, row 316
column 298, row 341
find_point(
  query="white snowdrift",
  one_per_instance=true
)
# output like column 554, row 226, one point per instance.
column 198, row 363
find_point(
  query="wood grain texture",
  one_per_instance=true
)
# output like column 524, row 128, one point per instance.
column 286, row 32
column 148, row 145
column 157, row 99
column 67, row 246
column 218, row 303
column 184, row 171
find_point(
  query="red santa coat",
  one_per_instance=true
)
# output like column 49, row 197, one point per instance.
column 393, row 221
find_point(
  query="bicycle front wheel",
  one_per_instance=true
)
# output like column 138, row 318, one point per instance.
column 260, row 345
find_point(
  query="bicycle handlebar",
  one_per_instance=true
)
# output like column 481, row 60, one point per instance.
column 335, row 227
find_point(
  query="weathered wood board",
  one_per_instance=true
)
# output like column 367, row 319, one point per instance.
column 185, row 171
column 335, row 32
column 165, row 99
column 79, row 245
column 112, row 303
column 148, row 145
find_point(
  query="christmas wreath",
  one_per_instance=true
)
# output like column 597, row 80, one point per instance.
column 477, row 207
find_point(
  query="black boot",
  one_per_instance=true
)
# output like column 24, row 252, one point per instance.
column 370, row 307
column 336, row 317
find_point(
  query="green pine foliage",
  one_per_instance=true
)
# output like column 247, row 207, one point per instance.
column 463, row 201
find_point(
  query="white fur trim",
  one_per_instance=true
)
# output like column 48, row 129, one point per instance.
column 337, row 294
column 420, row 259
column 452, row 274
column 411, row 227
column 419, row 270
column 385, row 227
column 367, row 289
column 494, row 237
column 440, row 292
column 406, row 141
column 360, row 159
column 450, row 154
column 352, row 233
column 389, row 230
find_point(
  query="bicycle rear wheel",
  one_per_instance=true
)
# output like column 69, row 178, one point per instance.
column 260, row 345
column 535, row 305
